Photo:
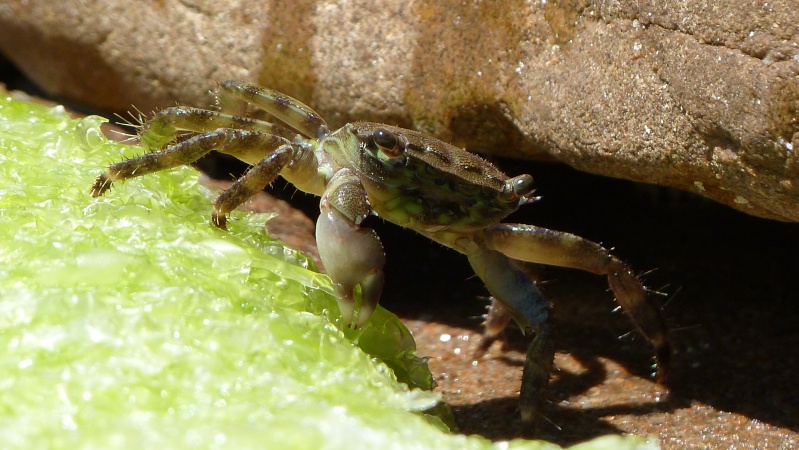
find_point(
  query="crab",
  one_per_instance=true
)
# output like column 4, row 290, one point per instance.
column 405, row 177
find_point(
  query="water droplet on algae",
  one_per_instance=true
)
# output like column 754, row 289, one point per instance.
column 88, row 131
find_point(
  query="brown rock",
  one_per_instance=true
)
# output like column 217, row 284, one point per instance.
column 701, row 95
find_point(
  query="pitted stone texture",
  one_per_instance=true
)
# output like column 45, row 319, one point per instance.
column 696, row 95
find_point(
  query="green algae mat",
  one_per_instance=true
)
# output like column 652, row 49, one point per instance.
column 129, row 322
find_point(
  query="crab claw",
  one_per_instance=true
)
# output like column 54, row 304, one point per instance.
column 353, row 255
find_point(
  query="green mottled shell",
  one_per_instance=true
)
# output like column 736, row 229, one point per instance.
column 433, row 185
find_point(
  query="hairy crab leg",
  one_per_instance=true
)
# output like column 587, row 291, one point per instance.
column 352, row 254
column 496, row 321
column 249, row 146
column 535, row 376
column 291, row 111
column 163, row 126
column 540, row 245
column 253, row 181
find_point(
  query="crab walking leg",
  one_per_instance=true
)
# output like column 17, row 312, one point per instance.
column 498, row 316
column 290, row 110
column 521, row 300
column 353, row 255
column 535, row 376
column 162, row 128
column 253, row 181
column 540, row 245
column 249, row 146
column 496, row 321
column 510, row 285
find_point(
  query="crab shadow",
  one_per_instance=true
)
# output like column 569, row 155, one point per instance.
column 499, row 420
column 566, row 422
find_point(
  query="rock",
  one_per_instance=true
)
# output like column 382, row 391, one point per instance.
column 702, row 96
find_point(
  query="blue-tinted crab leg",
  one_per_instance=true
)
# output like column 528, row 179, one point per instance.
column 540, row 245
column 510, row 285
column 521, row 300
column 291, row 111
column 162, row 128
column 353, row 255
column 248, row 146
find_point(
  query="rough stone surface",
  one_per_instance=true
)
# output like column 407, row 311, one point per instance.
column 700, row 95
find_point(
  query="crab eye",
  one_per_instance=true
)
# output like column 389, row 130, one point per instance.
column 517, row 187
column 387, row 141
column 522, row 185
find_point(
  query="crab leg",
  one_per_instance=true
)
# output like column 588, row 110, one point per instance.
column 291, row 111
column 516, row 296
column 163, row 127
column 253, row 181
column 353, row 255
column 496, row 321
column 540, row 245
column 520, row 297
column 249, row 146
